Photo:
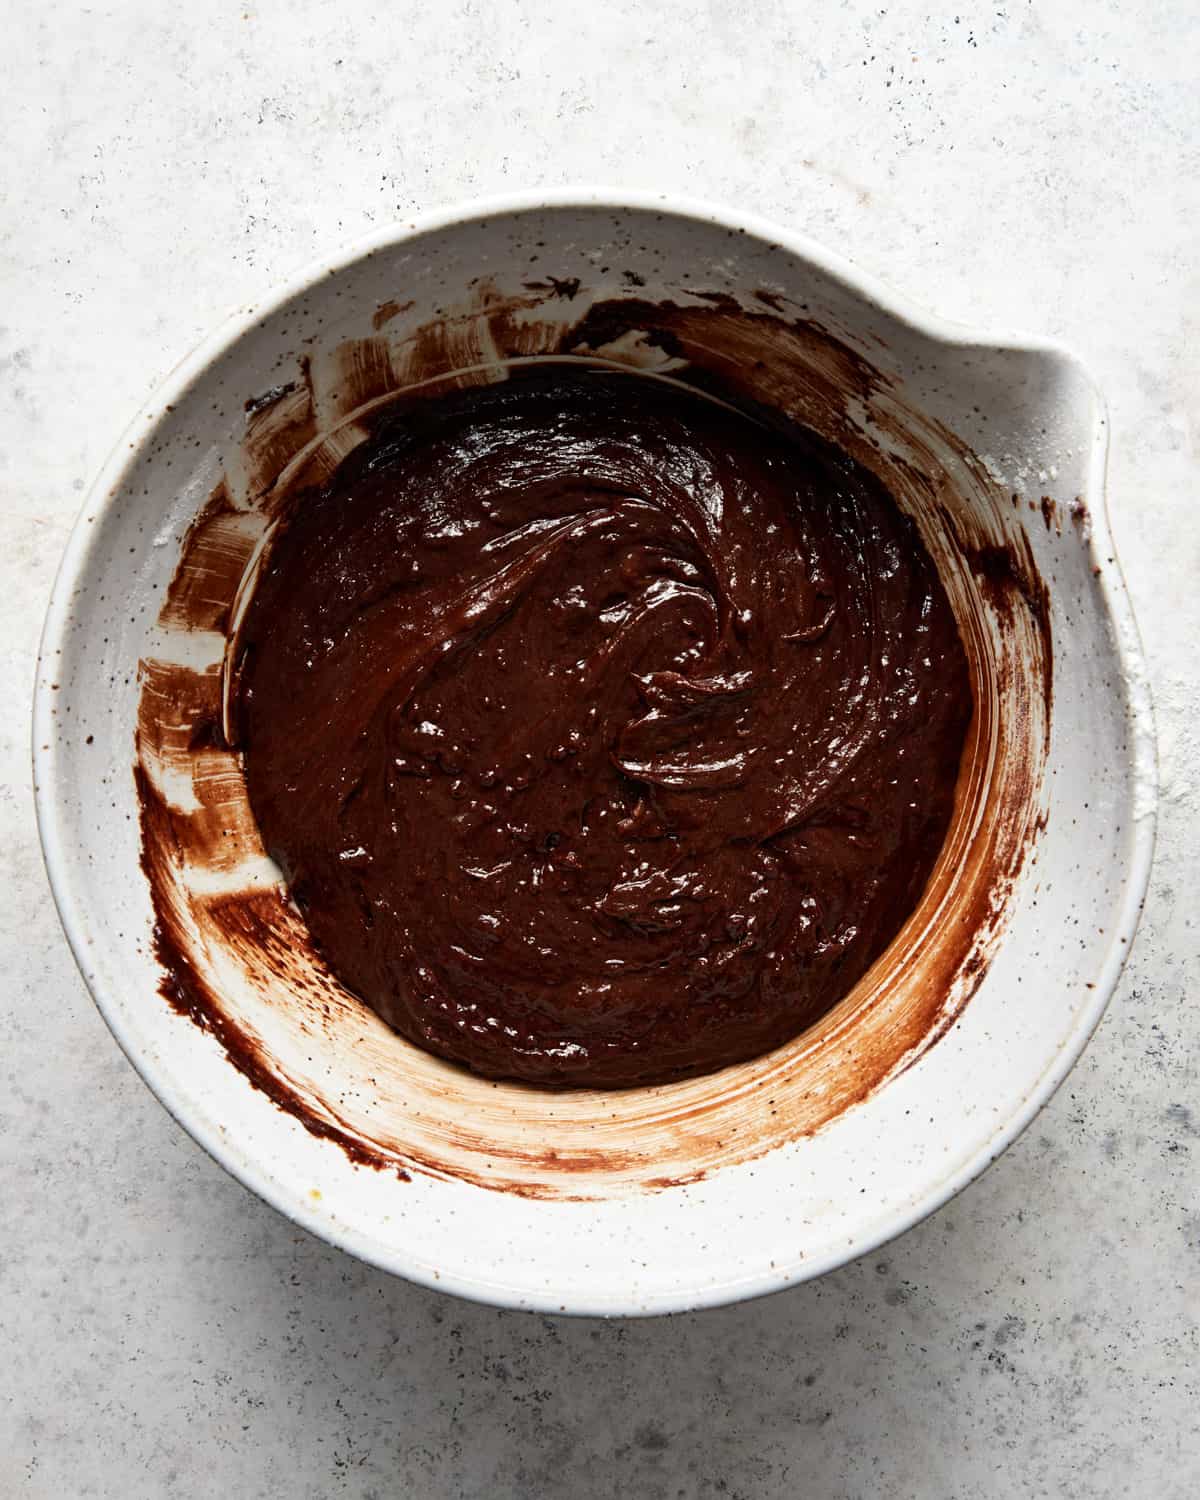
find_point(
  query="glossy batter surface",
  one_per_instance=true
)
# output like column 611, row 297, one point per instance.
column 605, row 735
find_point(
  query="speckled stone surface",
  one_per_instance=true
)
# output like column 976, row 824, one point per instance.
column 1018, row 166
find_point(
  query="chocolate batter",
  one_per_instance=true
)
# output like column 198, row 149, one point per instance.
column 604, row 734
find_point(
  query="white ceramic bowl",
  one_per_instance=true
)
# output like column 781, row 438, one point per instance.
column 655, row 1199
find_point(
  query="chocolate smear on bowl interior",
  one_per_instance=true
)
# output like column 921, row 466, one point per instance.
column 226, row 920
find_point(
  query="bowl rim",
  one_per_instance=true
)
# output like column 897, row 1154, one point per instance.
column 64, row 868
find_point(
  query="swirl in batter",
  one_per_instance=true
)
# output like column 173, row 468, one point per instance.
column 605, row 735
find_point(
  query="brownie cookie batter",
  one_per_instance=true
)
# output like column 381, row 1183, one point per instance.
column 604, row 734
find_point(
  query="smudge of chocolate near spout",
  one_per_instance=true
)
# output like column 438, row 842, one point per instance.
column 237, row 954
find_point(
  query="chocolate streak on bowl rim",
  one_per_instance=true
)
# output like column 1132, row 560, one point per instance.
column 225, row 929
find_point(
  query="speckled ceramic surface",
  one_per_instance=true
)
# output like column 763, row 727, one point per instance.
column 804, row 1205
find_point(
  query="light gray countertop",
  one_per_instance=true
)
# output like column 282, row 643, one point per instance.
column 1028, row 166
